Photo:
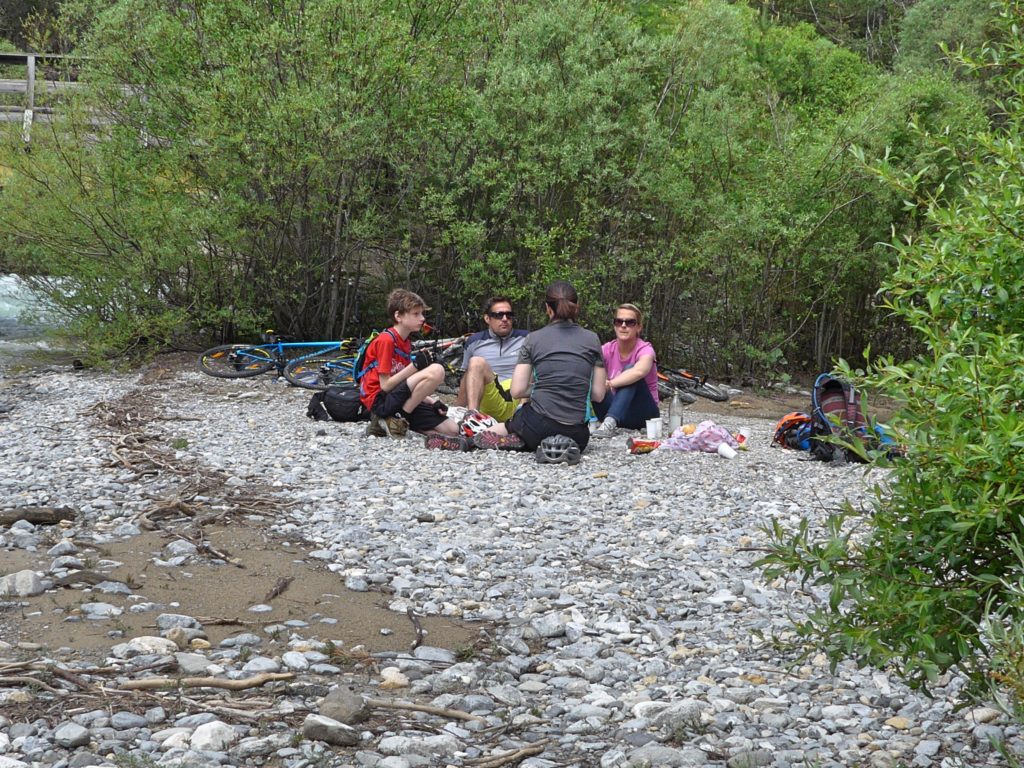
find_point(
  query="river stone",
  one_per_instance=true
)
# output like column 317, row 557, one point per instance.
column 430, row 746
column 260, row 664
column 66, row 563
column 391, row 678
column 755, row 758
column 124, row 720
column 21, row 584
column 295, row 661
column 320, row 728
column 143, row 645
column 179, row 548
column 192, row 663
column 658, row 756
column 85, row 759
column 430, row 653
column 100, row 611
column 62, row 547
column 213, row 737
column 261, row 746
column 71, row 735
column 167, row 620
column 345, row 706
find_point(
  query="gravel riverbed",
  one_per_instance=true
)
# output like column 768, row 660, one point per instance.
column 621, row 621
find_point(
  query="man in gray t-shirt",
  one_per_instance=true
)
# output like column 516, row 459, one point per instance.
column 563, row 357
column 489, row 360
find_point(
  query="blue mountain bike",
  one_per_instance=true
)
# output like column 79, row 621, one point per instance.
column 238, row 361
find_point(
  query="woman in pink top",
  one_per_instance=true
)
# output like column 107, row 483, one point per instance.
column 632, row 371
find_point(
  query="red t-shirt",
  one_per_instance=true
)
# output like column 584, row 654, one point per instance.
column 389, row 353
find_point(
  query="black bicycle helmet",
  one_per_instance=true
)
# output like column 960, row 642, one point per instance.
column 558, row 448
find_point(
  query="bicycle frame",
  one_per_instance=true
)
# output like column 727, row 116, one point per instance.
column 243, row 360
column 280, row 350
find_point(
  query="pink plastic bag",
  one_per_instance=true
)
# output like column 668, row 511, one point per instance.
column 706, row 438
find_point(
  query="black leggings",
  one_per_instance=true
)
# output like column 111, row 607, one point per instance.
column 534, row 427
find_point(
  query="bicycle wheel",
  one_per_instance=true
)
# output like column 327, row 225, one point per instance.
column 235, row 361
column 710, row 391
column 319, row 371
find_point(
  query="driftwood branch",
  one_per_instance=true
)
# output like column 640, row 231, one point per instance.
column 510, row 757
column 408, row 706
column 228, row 711
column 53, row 669
column 24, row 680
column 255, row 681
column 36, row 515
column 278, row 588
column 420, row 632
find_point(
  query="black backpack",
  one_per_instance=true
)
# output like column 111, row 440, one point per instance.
column 339, row 402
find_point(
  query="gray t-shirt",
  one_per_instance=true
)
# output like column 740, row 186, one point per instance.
column 563, row 357
column 500, row 353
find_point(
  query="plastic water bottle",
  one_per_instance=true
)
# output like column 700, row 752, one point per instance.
column 675, row 413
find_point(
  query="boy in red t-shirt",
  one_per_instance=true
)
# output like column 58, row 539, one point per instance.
column 396, row 386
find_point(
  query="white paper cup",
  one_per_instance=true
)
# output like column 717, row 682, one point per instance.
column 725, row 451
column 654, row 428
column 745, row 431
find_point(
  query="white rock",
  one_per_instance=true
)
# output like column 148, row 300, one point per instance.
column 21, row 584
column 144, row 645
column 295, row 660
column 214, row 736
column 391, row 678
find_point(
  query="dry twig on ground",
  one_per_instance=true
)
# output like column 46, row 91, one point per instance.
column 151, row 683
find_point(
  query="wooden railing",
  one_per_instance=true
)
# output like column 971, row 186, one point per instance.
column 32, row 86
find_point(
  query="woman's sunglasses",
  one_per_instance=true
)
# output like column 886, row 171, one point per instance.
column 625, row 322
column 500, row 315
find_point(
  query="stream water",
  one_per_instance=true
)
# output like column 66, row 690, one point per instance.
column 20, row 341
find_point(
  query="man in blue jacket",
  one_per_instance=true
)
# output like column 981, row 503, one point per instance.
column 489, row 360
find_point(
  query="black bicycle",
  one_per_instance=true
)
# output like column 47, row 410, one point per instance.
column 679, row 380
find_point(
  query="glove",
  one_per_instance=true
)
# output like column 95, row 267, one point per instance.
column 422, row 359
column 505, row 394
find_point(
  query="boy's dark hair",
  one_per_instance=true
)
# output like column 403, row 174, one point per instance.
column 401, row 300
column 496, row 300
column 562, row 298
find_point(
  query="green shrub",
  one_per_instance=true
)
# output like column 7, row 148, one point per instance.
column 930, row 578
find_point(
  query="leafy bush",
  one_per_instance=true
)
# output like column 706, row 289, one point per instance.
column 930, row 578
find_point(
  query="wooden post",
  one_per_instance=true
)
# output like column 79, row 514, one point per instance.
column 30, row 92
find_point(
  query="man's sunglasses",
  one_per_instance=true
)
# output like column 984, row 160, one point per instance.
column 500, row 315
column 625, row 322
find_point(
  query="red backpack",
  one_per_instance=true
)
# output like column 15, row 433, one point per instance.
column 836, row 410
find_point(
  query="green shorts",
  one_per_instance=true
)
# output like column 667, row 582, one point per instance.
column 493, row 404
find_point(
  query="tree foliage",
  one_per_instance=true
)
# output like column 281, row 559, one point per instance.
column 932, row 577
column 284, row 165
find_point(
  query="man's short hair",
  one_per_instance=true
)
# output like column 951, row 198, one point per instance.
column 496, row 300
column 401, row 300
